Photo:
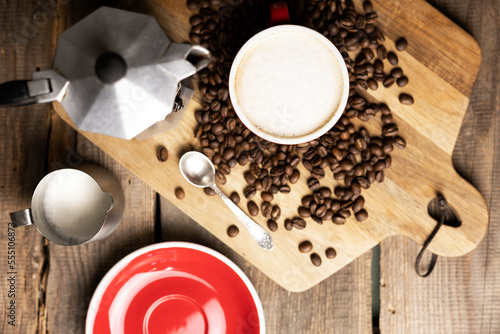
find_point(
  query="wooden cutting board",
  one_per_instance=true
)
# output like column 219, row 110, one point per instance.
column 441, row 62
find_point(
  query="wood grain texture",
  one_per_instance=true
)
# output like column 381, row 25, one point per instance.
column 462, row 295
column 340, row 304
column 23, row 154
column 430, row 126
column 76, row 271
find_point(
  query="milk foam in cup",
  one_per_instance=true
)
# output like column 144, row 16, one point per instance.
column 289, row 84
column 74, row 206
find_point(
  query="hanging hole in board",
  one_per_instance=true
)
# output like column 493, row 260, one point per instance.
column 437, row 208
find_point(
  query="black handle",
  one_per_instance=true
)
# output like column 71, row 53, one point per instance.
column 15, row 94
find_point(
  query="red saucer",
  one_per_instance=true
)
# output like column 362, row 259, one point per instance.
column 175, row 287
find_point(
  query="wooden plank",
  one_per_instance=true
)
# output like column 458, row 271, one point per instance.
column 340, row 304
column 23, row 136
column 462, row 295
column 430, row 127
column 76, row 271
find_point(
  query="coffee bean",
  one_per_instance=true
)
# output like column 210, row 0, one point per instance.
column 295, row 176
column 388, row 81
column 346, row 165
column 272, row 225
column 242, row 159
column 401, row 44
column 306, row 200
column 234, row 197
column 364, row 182
column 249, row 192
column 276, row 212
column 347, row 195
column 344, row 213
column 285, row 189
column 195, row 20
column 317, row 219
column 376, row 149
column 162, row 153
column 298, row 223
column 361, row 215
column 266, row 209
column 387, row 161
column 253, row 209
column 358, row 204
column 328, row 215
column 224, row 168
column 267, row 196
column 330, row 253
column 277, row 171
column 325, row 192
column 406, row 99
column 318, row 198
column 274, row 189
column 255, row 170
column 320, row 211
column 399, row 142
column 288, row 224
column 372, row 84
column 384, row 109
column 313, row 184
column 304, row 212
column 380, row 176
column 392, row 58
column 379, row 77
column 318, row 173
column 402, row 81
column 381, row 52
column 388, row 145
column 209, row 191
column 337, row 153
column 179, row 193
column 220, row 178
column 315, row 259
column 367, row 6
column 378, row 66
column 339, row 220
column 232, row 231
column 397, row 72
column 228, row 153
column 266, row 183
column 305, row 246
column 231, row 163
column 389, row 130
column 284, row 179
column 370, row 178
column 193, row 4
column 386, row 119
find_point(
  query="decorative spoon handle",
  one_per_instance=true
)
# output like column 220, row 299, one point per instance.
column 258, row 233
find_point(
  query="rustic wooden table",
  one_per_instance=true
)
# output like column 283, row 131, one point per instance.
column 54, row 284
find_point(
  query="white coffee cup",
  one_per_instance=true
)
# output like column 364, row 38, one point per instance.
column 289, row 84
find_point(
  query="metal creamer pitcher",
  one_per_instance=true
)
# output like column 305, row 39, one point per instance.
column 115, row 73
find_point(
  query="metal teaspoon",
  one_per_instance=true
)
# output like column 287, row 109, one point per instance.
column 198, row 170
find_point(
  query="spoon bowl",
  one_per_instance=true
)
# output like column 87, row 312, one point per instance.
column 198, row 170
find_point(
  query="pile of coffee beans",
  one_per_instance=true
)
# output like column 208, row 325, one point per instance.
column 356, row 158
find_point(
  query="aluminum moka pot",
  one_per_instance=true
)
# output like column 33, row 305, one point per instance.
column 115, row 73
